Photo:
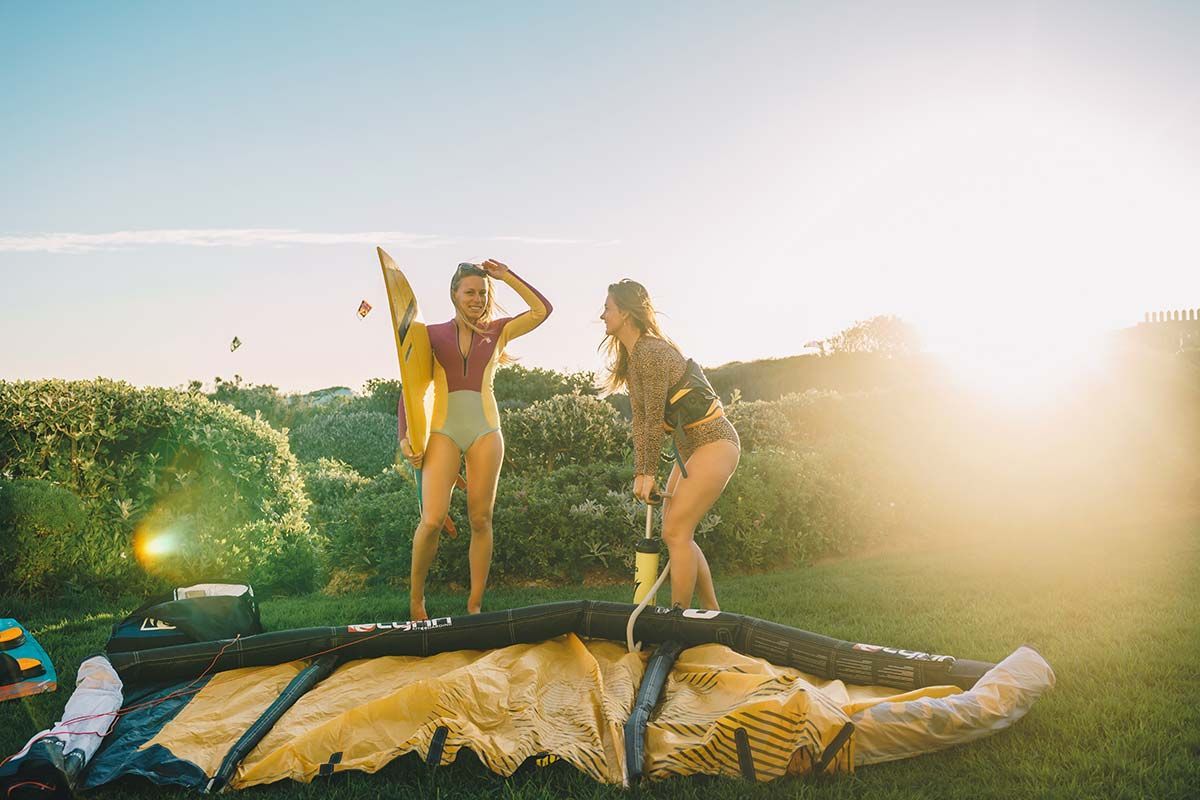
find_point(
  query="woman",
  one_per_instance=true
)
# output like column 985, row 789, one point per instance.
column 670, row 392
column 466, row 421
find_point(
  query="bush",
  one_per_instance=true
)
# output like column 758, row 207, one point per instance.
column 760, row 424
column 379, row 394
column 539, row 533
column 373, row 532
column 282, row 411
column 366, row 440
column 173, row 470
column 330, row 485
column 563, row 430
column 564, row 525
column 783, row 508
column 272, row 556
column 581, row 520
column 41, row 526
column 519, row 387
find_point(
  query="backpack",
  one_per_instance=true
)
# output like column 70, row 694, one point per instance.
column 204, row 612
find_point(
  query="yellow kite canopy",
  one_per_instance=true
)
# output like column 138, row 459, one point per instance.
column 547, row 683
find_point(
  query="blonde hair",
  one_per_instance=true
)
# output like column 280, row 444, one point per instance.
column 468, row 270
column 632, row 298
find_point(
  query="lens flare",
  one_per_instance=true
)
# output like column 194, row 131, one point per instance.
column 150, row 546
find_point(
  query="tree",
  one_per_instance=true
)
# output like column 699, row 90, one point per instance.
column 884, row 334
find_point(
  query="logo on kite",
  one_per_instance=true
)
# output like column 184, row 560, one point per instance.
column 149, row 624
column 913, row 655
column 364, row 308
column 410, row 625
column 235, row 344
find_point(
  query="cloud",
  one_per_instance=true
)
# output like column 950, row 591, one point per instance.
column 537, row 240
column 215, row 237
column 239, row 237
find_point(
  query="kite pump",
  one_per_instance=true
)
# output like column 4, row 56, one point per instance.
column 646, row 564
column 645, row 586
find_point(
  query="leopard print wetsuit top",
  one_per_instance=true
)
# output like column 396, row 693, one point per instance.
column 654, row 367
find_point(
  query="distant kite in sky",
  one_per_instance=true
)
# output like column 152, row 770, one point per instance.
column 235, row 344
column 364, row 308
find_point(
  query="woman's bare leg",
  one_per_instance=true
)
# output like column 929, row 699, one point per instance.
column 709, row 470
column 484, row 458
column 438, row 471
column 704, row 580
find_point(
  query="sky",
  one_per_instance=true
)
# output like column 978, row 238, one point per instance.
column 172, row 175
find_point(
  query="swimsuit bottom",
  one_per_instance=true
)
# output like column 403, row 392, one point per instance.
column 465, row 421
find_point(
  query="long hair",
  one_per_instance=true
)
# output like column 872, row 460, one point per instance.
column 632, row 298
column 468, row 270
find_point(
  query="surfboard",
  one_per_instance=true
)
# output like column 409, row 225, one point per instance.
column 413, row 350
column 416, row 365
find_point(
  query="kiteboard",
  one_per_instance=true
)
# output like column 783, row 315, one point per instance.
column 25, row 668
column 416, row 363
column 413, row 350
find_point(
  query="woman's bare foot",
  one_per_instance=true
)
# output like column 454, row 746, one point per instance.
column 417, row 610
column 473, row 607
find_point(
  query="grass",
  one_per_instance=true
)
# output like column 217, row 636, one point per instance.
column 1114, row 610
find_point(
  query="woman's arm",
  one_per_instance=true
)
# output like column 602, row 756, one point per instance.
column 404, row 446
column 539, row 306
column 653, row 372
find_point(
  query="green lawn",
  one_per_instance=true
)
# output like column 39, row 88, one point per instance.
column 1114, row 611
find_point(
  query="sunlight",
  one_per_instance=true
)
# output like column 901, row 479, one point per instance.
column 1021, row 366
column 149, row 546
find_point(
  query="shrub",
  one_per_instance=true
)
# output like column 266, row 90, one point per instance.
column 330, row 485
column 581, row 520
column 373, row 533
column 519, row 387
column 566, row 429
column 40, row 526
column 177, row 471
column 280, row 558
column 760, row 424
column 379, row 394
column 538, row 534
column 563, row 525
column 782, row 508
column 281, row 411
column 366, row 440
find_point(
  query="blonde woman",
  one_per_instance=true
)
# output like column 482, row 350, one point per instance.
column 466, row 420
column 670, row 392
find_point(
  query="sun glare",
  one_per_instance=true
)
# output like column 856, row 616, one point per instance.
column 152, row 546
column 1021, row 366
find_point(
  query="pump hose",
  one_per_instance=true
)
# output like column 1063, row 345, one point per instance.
column 634, row 648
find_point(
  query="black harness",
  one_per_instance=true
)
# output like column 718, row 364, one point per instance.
column 690, row 402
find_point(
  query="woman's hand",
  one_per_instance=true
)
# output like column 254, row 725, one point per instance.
column 643, row 487
column 494, row 268
column 413, row 458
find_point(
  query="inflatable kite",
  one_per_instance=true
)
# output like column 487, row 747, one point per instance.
column 709, row 693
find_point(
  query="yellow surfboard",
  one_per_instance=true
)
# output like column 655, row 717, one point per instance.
column 413, row 350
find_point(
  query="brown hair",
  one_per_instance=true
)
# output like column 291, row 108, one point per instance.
column 632, row 298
